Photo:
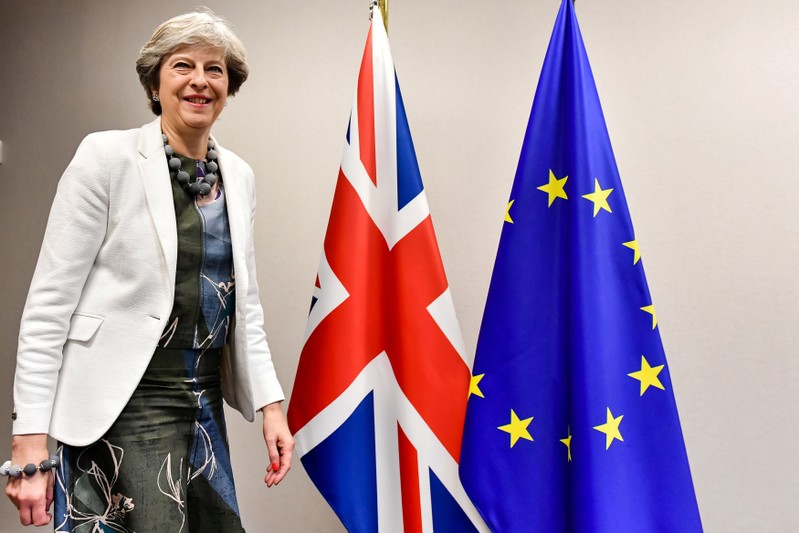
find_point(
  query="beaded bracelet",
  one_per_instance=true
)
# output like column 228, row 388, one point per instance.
column 29, row 469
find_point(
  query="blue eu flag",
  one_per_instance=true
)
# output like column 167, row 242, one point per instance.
column 571, row 423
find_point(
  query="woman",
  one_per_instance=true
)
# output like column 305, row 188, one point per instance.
column 144, row 312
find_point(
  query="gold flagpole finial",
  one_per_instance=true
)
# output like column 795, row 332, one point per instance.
column 383, row 6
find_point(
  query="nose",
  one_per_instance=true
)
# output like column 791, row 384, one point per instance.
column 198, row 79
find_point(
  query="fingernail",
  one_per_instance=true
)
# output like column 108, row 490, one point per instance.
column 275, row 466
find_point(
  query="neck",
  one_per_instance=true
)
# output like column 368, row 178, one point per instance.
column 193, row 143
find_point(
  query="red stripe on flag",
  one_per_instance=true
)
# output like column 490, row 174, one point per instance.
column 409, row 482
column 366, row 111
column 389, row 292
column 344, row 342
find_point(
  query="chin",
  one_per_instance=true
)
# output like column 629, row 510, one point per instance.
column 200, row 122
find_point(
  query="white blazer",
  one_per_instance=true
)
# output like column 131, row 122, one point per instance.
column 104, row 284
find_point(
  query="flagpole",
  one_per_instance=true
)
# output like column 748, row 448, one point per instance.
column 383, row 5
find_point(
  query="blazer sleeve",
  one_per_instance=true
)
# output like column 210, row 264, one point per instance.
column 265, row 386
column 75, row 230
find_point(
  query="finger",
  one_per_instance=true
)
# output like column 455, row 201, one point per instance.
column 271, row 469
column 269, row 479
column 274, row 455
column 50, row 483
column 43, row 517
column 274, row 461
column 39, row 514
column 285, row 466
column 25, row 517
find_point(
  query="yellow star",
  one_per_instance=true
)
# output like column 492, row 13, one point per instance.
column 507, row 212
column 568, row 442
column 610, row 429
column 554, row 188
column 599, row 197
column 648, row 375
column 651, row 310
column 517, row 428
column 633, row 245
column 474, row 387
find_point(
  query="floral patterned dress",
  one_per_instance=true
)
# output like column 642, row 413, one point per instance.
column 164, row 465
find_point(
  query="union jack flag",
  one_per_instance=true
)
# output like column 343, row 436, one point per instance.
column 380, row 394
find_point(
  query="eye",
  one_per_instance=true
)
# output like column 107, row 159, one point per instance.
column 216, row 69
column 181, row 65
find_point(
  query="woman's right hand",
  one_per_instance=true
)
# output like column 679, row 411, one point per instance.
column 32, row 495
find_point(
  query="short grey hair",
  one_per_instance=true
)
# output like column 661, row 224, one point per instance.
column 197, row 28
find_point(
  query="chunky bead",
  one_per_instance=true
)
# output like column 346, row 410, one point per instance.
column 4, row 469
column 15, row 471
column 203, row 184
column 30, row 469
column 46, row 465
column 49, row 464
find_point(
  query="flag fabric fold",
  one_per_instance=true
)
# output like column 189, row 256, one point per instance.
column 380, row 395
column 571, row 422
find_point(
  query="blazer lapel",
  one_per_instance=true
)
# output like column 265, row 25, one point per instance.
column 158, row 191
column 239, row 211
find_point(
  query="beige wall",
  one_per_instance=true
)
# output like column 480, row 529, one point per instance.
column 700, row 99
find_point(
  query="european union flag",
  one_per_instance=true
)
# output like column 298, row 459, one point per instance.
column 571, row 423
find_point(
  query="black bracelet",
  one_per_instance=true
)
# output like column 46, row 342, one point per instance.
column 29, row 469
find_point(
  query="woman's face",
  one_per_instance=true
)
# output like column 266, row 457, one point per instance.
column 193, row 89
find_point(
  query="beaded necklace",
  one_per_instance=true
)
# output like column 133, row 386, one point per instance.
column 202, row 185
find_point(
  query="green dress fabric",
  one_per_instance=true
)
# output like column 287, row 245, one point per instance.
column 164, row 465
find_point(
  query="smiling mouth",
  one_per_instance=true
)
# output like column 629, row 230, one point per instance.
column 198, row 100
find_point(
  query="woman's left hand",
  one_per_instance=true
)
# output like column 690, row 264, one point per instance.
column 279, row 443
